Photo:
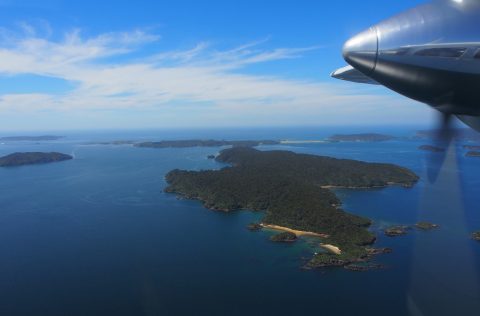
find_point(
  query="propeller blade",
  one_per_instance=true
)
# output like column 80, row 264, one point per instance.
column 442, row 138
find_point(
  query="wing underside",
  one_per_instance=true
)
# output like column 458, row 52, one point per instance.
column 349, row 73
column 472, row 121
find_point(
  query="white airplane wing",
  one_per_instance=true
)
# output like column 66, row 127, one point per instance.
column 349, row 73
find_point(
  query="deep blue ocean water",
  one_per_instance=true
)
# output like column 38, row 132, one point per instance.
column 97, row 236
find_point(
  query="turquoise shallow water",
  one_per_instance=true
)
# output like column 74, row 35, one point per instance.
column 97, row 236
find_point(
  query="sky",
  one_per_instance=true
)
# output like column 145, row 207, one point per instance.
column 188, row 64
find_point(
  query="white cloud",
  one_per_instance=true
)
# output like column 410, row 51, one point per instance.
column 199, row 75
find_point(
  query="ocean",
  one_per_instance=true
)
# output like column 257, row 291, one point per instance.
column 98, row 236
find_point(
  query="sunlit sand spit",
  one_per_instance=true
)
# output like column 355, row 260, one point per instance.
column 333, row 249
column 299, row 233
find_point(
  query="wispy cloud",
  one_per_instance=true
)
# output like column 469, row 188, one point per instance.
column 194, row 77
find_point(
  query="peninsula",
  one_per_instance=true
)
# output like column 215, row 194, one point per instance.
column 370, row 137
column 292, row 190
column 32, row 158
column 205, row 143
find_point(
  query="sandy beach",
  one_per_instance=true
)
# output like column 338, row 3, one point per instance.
column 299, row 233
column 333, row 249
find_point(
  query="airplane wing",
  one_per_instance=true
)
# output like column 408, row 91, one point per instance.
column 349, row 73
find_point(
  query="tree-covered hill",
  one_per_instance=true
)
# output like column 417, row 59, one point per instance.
column 291, row 188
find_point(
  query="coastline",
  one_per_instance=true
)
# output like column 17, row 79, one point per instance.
column 299, row 233
column 388, row 185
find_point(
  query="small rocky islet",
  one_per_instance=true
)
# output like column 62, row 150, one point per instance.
column 284, row 237
column 426, row 226
column 433, row 149
column 396, row 231
column 402, row 230
column 476, row 236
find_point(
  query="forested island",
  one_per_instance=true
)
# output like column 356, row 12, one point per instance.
column 205, row 143
column 32, row 158
column 369, row 137
column 30, row 138
column 294, row 191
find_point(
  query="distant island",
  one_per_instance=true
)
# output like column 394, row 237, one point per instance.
column 114, row 142
column 471, row 147
column 294, row 191
column 475, row 154
column 205, row 143
column 370, row 137
column 430, row 148
column 463, row 134
column 30, row 138
column 32, row 158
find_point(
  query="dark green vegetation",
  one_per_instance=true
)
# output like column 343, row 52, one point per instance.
column 370, row 137
column 476, row 236
column 292, row 189
column 205, row 143
column 284, row 237
column 396, row 231
column 431, row 148
column 355, row 259
column 30, row 138
column 32, row 158
column 426, row 226
column 475, row 154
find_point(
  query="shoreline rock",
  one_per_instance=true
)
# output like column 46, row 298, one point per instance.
column 284, row 237
column 476, row 236
column 254, row 227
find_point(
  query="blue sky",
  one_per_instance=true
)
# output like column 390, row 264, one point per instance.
column 147, row 64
